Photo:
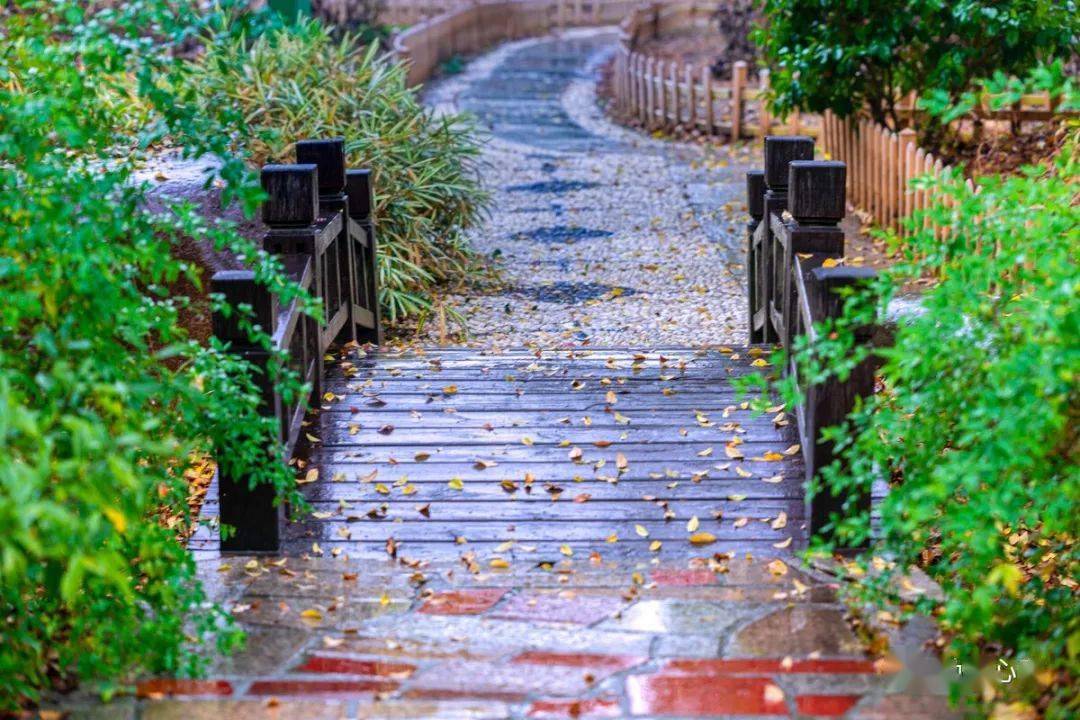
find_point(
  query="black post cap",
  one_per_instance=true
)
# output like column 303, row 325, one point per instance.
column 294, row 194
column 816, row 191
column 780, row 150
column 755, row 193
column 329, row 155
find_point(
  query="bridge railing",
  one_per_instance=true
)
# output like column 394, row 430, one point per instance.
column 318, row 218
column 795, row 265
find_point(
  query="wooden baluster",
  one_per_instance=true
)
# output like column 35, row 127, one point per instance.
column 755, row 205
column 691, row 98
column 908, row 145
column 361, row 211
column 707, row 92
column 780, row 151
column 290, row 212
column 676, row 101
column 652, row 100
column 250, row 511
column 339, row 281
column 817, row 203
column 765, row 115
column 738, row 85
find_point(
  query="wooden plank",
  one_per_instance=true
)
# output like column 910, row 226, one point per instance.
column 433, row 531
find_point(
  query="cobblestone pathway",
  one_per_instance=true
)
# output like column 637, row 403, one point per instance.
column 606, row 237
column 559, row 533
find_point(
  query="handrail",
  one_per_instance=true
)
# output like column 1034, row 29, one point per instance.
column 795, row 256
column 318, row 219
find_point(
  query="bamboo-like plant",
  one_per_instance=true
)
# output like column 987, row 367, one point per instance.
column 302, row 82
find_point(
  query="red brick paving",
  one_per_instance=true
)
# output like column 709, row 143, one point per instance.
column 348, row 666
column 761, row 666
column 594, row 708
column 825, row 705
column 462, row 602
column 319, row 687
column 611, row 663
column 675, row 577
column 160, row 687
column 701, row 695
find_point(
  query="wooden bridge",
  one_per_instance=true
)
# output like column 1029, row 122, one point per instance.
column 624, row 451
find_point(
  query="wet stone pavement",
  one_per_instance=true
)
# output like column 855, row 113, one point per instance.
column 559, row 533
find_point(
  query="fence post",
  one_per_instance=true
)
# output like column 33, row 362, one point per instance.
column 738, row 82
column 763, row 88
column 340, row 281
column 289, row 212
column 250, row 510
column 817, row 203
column 779, row 152
column 361, row 192
column 676, row 91
column 691, row 97
column 832, row 401
column 707, row 91
column 755, row 205
column 908, row 149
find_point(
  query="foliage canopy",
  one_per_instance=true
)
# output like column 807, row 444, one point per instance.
column 846, row 55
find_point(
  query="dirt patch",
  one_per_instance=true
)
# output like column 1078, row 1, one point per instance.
column 999, row 151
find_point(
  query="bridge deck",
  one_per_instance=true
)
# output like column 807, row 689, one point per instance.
column 452, row 450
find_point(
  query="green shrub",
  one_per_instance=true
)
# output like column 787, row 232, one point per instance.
column 847, row 55
column 301, row 82
column 103, row 398
column 977, row 432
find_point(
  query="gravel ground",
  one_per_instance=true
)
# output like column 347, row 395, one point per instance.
column 605, row 237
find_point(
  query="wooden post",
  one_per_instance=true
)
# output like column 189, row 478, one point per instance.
column 650, row 93
column 249, row 510
column 755, row 205
column 763, row 88
column 676, row 117
column 707, row 92
column 738, row 84
column 829, row 403
column 361, row 192
column 780, row 151
column 691, row 97
column 338, row 285
column 907, row 150
column 817, row 203
column 661, row 92
column 290, row 211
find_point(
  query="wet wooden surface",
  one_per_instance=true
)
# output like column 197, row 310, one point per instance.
column 451, row 451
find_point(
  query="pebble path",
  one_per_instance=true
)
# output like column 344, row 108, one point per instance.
column 606, row 237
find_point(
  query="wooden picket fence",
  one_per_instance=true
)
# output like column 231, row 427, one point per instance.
column 882, row 164
column 674, row 95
